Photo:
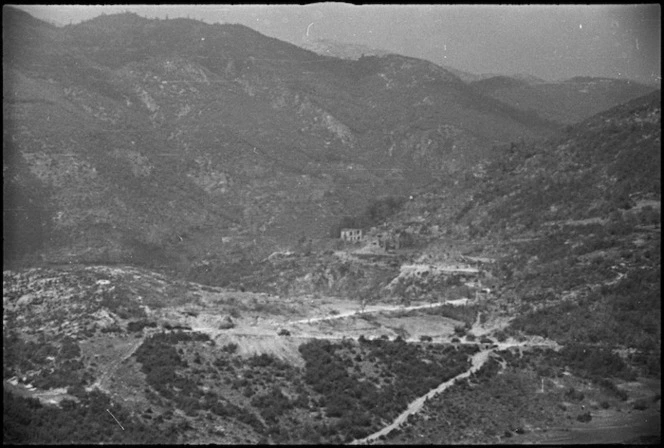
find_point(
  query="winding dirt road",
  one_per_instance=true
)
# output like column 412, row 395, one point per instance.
column 415, row 406
column 370, row 310
column 477, row 361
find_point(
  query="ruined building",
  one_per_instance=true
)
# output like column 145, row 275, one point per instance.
column 352, row 235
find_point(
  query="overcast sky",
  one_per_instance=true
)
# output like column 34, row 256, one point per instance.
column 548, row 41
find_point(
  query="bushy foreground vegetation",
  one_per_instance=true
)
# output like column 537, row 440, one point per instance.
column 56, row 363
column 26, row 421
column 358, row 403
column 624, row 314
column 515, row 392
column 345, row 391
column 161, row 363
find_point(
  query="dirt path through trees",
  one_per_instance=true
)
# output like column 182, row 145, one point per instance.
column 415, row 406
column 477, row 361
column 103, row 379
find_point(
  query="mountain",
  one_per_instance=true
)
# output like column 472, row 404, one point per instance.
column 568, row 101
column 346, row 343
column 565, row 102
column 570, row 229
column 574, row 224
column 341, row 50
column 347, row 50
column 156, row 173
column 169, row 141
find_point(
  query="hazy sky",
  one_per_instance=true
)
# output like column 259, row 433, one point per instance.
column 548, row 41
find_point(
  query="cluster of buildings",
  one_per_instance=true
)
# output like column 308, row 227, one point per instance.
column 466, row 270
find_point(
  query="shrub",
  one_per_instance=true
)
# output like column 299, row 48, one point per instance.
column 136, row 326
column 611, row 387
column 500, row 335
column 574, row 394
column 231, row 348
column 585, row 417
column 640, row 405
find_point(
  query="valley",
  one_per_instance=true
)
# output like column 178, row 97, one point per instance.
column 213, row 236
column 261, row 330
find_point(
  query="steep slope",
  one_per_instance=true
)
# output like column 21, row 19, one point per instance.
column 565, row 102
column 574, row 224
column 166, row 141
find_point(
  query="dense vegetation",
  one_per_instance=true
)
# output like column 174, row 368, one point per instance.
column 161, row 362
column 87, row 421
column 357, row 402
column 480, row 409
column 515, row 392
column 53, row 364
column 24, row 229
column 624, row 314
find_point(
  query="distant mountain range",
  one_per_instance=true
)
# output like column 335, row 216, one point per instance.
column 167, row 141
column 346, row 50
column 173, row 194
column 567, row 101
column 130, row 136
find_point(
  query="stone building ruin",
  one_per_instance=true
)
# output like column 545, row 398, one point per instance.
column 351, row 235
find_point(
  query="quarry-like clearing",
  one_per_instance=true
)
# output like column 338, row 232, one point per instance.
column 257, row 329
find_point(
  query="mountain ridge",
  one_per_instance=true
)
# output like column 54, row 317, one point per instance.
column 173, row 259
column 140, row 113
column 568, row 101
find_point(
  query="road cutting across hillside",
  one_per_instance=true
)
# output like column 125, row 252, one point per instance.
column 416, row 405
column 374, row 309
column 477, row 361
